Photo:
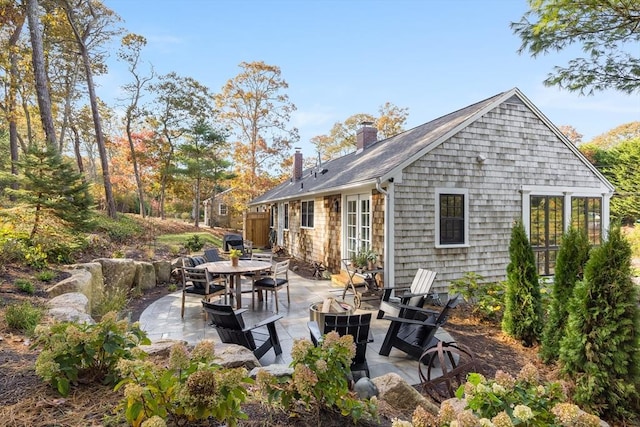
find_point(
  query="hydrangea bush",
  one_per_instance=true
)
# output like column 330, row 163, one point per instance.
column 192, row 387
column 320, row 378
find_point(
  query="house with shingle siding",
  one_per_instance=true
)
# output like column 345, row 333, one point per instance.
column 444, row 195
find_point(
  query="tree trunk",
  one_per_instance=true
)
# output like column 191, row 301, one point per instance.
column 11, row 100
column 102, row 149
column 197, row 207
column 42, row 87
column 76, row 149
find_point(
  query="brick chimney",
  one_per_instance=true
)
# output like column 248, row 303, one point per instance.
column 366, row 135
column 297, row 165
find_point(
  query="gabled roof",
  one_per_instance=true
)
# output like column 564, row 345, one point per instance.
column 386, row 158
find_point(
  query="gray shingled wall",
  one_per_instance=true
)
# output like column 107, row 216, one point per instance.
column 520, row 150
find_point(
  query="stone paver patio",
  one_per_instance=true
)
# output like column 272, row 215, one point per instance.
column 161, row 320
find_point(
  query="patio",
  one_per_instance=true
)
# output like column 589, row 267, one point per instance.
column 161, row 320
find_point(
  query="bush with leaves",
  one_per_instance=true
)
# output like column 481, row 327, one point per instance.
column 192, row 387
column 485, row 299
column 572, row 257
column 522, row 317
column 193, row 243
column 508, row 401
column 320, row 378
column 81, row 352
column 23, row 317
column 601, row 347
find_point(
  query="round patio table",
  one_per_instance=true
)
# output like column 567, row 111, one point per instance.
column 234, row 272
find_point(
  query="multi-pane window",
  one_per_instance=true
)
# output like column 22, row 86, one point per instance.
column 546, row 229
column 586, row 213
column 306, row 214
column 452, row 219
column 286, row 216
column 273, row 218
column 223, row 210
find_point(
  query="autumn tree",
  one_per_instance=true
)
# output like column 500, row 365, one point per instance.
column 341, row 139
column 571, row 133
column 617, row 135
column 180, row 102
column 257, row 110
column 608, row 33
column 130, row 53
column 85, row 17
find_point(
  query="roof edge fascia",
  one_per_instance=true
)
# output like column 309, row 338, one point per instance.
column 333, row 190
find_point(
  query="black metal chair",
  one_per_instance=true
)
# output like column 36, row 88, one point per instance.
column 232, row 330
column 414, row 330
column 355, row 325
column 198, row 281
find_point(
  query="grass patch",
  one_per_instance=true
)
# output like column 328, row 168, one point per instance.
column 25, row 286
column 178, row 241
column 23, row 317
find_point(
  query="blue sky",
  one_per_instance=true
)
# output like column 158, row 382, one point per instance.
column 346, row 57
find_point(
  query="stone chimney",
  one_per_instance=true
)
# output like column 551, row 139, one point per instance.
column 297, row 165
column 366, row 135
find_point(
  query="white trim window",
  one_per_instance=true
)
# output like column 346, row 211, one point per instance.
column 306, row 213
column 223, row 209
column 286, row 216
column 273, row 218
column 452, row 217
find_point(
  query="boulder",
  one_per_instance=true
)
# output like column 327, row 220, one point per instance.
column 398, row 394
column 277, row 370
column 145, row 277
column 365, row 388
column 119, row 273
column 161, row 347
column 163, row 271
column 70, row 307
column 234, row 356
column 85, row 278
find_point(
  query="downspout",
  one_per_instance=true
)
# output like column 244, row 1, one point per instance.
column 388, row 257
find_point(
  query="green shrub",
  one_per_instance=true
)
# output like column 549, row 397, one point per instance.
column 172, row 287
column 485, row 299
column 110, row 299
column 522, row 317
column 320, row 378
column 23, row 317
column 45, row 275
column 509, row 401
column 600, row 349
column 192, row 387
column 572, row 257
column 25, row 286
column 75, row 353
column 119, row 230
column 193, row 243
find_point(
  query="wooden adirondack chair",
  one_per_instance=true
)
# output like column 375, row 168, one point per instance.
column 414, row 330
column 415, row 295
column 355, row 325
column 231, row 328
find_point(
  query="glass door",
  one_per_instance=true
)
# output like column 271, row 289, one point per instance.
column 358, row 224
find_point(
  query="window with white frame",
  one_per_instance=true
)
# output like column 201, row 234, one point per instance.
column 223, row 210
column 286, row 216
column 273, row 218
column 586, row 215
column 546, row 227
column 452, row 221
column 306, row 213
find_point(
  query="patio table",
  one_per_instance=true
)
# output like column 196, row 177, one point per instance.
column 234, row 272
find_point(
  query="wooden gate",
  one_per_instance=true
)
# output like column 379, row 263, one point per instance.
column 256, row 228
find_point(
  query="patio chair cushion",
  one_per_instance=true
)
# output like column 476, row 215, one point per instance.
column 269, row 282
